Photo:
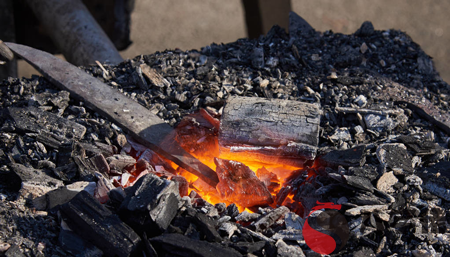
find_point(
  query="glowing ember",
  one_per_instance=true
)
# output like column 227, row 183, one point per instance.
column 239, row 184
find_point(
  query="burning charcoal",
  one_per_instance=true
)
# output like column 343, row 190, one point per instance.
column 34, row 183
column 179, row 245
column 386, row 181
column 249, row 247
column 239, row 184
column 365, row 209
column 298, row 26
column 159, row 197
column 257, row 129
column 246, row 216
column 96, row 224
column 350, row 157
column 268, row 178
column 285, row 250
column 32, row 119
column 395, row 156
column 268, row 220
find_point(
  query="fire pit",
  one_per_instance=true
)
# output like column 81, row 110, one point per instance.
column 320, row 143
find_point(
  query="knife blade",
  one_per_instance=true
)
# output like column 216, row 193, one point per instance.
column 147, row 128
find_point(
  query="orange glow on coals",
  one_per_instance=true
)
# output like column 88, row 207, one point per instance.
column 243, row 181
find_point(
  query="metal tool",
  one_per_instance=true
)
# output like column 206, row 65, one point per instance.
column 147, row 128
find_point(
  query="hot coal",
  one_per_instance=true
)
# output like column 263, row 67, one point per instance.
column 239, row 184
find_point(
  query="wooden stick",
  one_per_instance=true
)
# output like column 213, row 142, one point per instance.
column 75, row 32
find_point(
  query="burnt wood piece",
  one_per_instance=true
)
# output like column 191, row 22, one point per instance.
column 269, row 131
column 99, row 226
column 32, row 119
column 179, row 245
column 141, row 123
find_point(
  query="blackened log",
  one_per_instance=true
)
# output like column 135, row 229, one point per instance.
column 179, row 245
column 269, row 131
column 98, row 225
column 32, row 119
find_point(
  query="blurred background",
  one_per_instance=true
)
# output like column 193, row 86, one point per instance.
column 169, row 24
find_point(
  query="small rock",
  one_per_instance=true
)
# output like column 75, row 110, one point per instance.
column 386, row 181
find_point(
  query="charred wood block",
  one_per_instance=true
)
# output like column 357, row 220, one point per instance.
column 32, row 119
column 347, row 158
column 179, row 245
column 98, row 225
column 239, row 184
column 153, row 196
column 269, row 131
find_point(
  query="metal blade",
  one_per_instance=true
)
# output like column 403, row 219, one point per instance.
column 147, row 128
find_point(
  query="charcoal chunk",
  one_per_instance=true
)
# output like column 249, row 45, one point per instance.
column 98, row 225
column 347, row 158
column 179, row 245
column 153, row 196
